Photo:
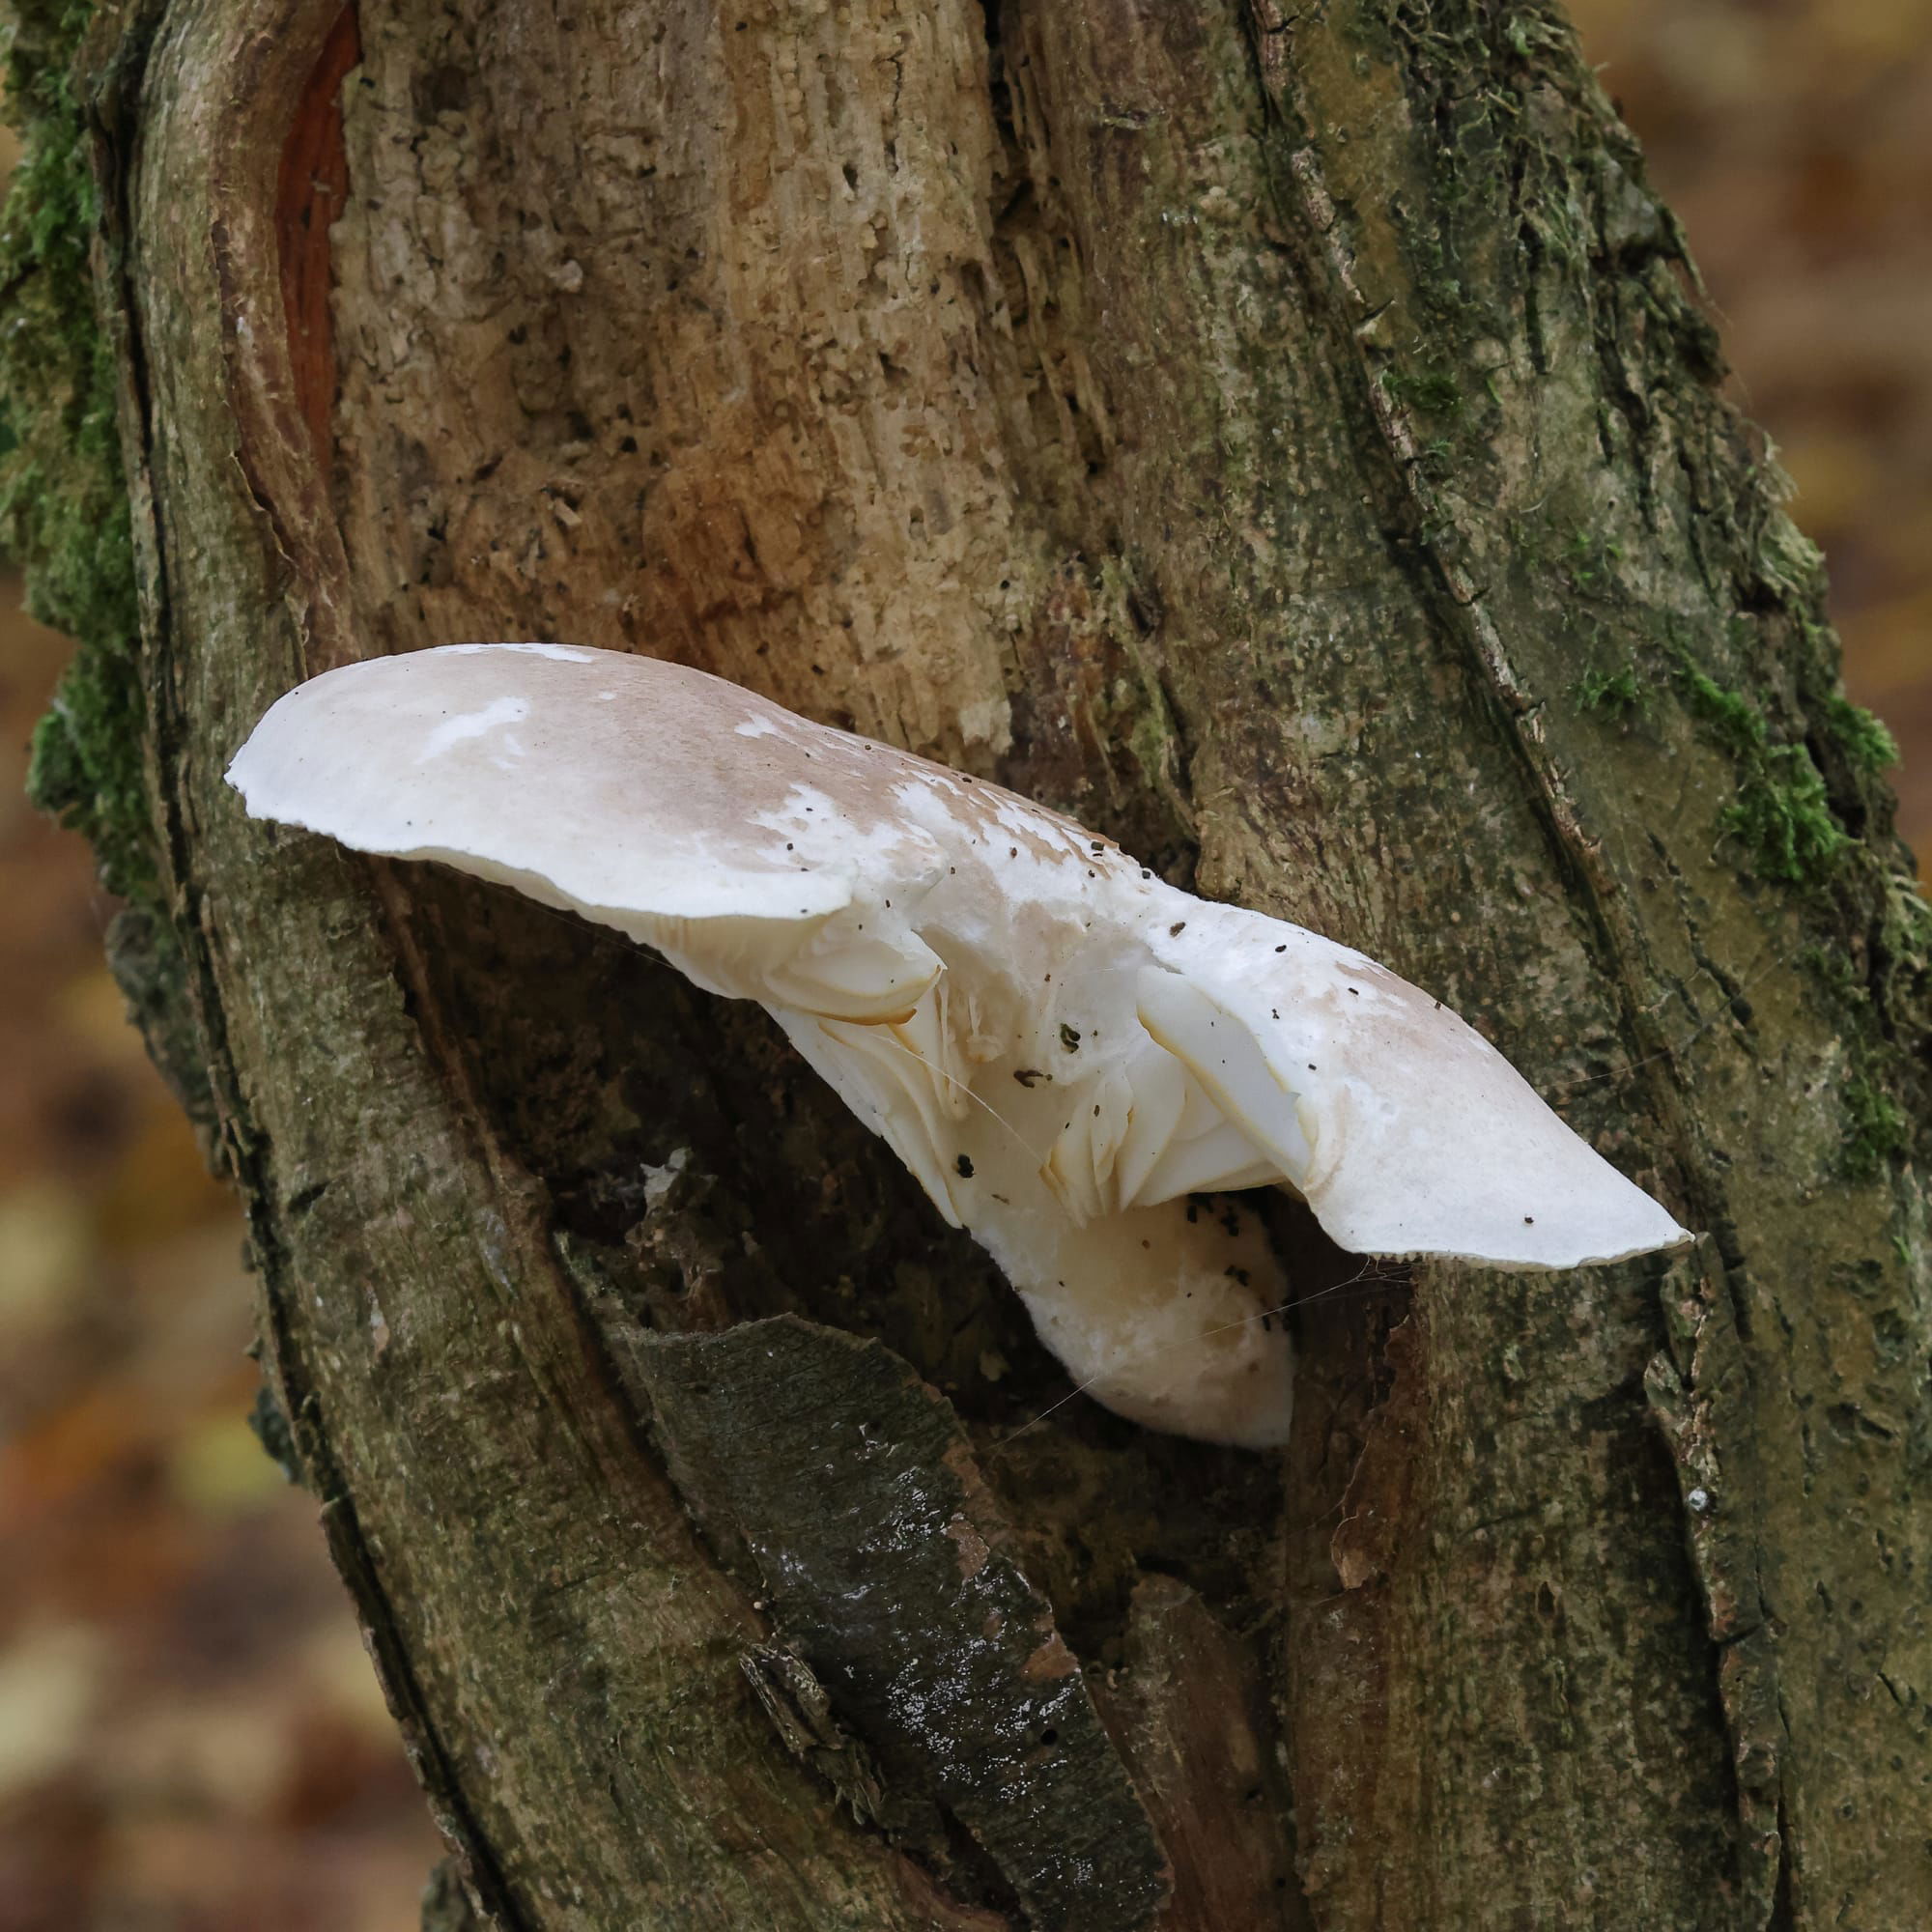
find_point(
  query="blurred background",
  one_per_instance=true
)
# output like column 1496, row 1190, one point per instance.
column 190, row 1737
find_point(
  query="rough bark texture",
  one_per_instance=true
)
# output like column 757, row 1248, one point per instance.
column 1287, row 442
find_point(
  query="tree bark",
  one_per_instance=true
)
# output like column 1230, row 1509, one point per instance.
column 1291, row 442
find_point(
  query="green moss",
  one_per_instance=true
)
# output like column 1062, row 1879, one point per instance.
column 1615, row 694
column 1875, row 1130
column 1835, row 969
column 63, row 514
column 1734, row 721
column 1782, row 814
column 1865, row 739
column 1433, row 392
column 1590, row 559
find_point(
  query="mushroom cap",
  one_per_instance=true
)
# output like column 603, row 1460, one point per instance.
column 1405, row 1130
column 760, row 851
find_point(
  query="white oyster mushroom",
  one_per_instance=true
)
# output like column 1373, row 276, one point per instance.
column 1061, row 1046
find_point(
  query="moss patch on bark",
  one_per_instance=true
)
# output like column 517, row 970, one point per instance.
column 64, row 512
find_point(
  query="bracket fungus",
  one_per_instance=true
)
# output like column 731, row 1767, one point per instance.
column 1060, row 1045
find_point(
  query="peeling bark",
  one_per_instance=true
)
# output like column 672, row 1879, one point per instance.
column 1290, row 444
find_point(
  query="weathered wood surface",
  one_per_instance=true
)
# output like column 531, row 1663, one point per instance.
column 1287, row 442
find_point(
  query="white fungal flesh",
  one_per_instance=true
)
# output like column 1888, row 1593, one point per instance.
column 1059, row 1046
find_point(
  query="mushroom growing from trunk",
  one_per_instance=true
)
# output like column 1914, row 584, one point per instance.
column 1061, row 1046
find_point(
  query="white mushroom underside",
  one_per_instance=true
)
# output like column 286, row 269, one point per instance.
column 1073, row 1176
column 1059, row 1046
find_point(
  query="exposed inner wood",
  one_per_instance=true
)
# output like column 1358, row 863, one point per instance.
column 309, row 195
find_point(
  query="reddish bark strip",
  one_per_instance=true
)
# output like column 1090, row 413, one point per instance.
column 309, row 193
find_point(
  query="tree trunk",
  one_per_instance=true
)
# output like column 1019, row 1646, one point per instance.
column 1286, row 441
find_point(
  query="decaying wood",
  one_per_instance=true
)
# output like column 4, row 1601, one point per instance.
column 1246, row 430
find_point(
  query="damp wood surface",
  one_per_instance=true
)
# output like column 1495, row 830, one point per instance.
column 1292, row 444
